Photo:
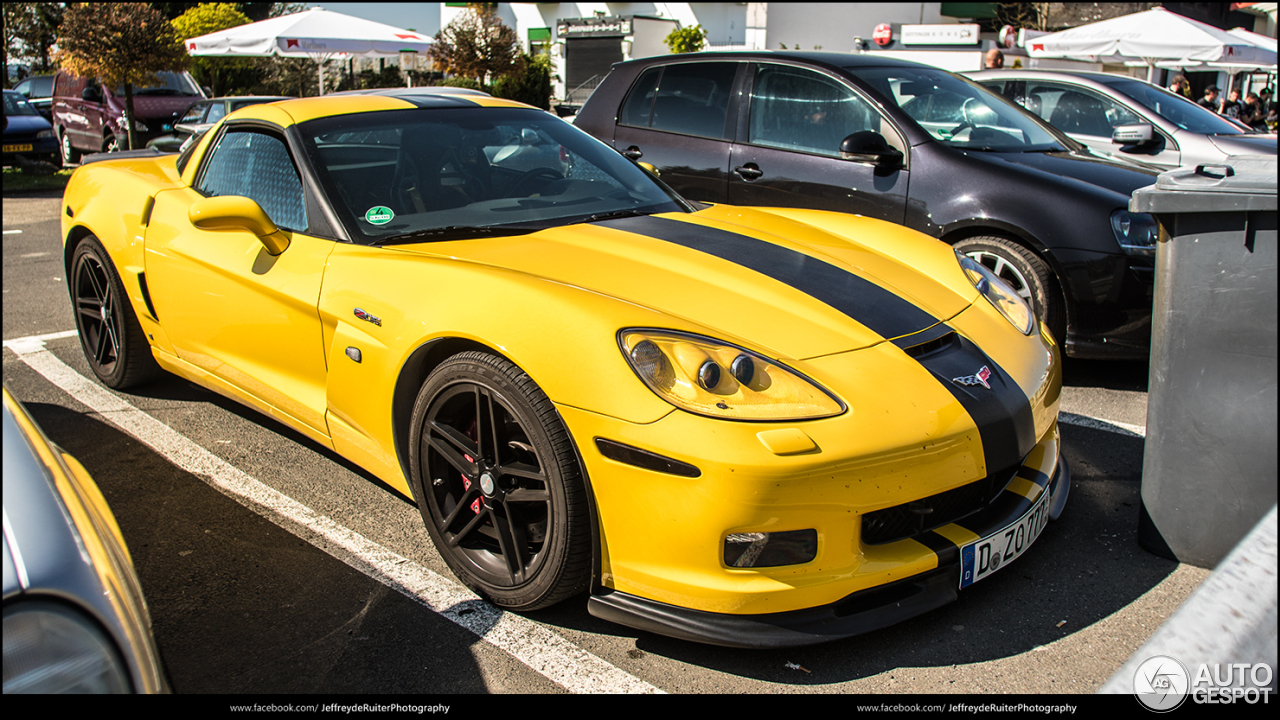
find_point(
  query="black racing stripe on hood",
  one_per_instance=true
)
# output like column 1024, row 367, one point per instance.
column 1002, row 413
column 879, row 309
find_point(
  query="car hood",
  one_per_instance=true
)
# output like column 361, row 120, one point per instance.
column 153, row 107
column 25, row 124
column 1245, row 144
column 797, row 284
column 1065, row 167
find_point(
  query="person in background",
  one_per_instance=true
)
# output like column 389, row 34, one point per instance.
column 1181, row 85
column 1252, row 114
column 1210, row 99
column 994, row 59
column 1231, row 106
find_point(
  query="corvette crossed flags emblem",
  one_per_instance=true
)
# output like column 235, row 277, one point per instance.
column 978, row 378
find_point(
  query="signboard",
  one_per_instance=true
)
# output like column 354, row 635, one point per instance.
column 939, row 34
column 594, row 27
column 883, row 34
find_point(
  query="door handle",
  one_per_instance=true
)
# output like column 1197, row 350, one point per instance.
column 749, row 171
column 632, row 153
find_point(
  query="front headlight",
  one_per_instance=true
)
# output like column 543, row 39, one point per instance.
column 714, row 378
column 1136, row 232
column 44, row 134
column 998, row 293
column 49, row 648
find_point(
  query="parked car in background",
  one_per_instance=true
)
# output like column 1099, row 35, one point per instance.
column 26, row 133
column 88, row 117
column 1118, row 113
column 38, row 90
column 74, row 617
column 904, row 142
column 202, row 115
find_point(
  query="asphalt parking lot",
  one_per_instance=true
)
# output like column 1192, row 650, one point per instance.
column 271, row 564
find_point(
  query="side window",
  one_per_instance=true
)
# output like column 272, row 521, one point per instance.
column 257, row 165
column 635, row 111
column 689, row 98
column 216, row 112
column 799, row 109
column 195, row 114
column 1075, row 110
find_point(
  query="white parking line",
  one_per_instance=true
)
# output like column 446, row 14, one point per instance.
column 547, row 653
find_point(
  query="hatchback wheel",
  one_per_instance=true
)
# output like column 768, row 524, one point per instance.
column 112, row 339
column 498, row 483
column 1026, row 274
column 69, row 154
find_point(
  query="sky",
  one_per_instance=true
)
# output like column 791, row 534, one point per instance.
column 419, row 17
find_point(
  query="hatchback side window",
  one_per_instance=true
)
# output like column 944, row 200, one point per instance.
column 689, row 98
column 799, row 109
column 257, row 165
column 216, row 112
column 195, row 114
column 1076, row 110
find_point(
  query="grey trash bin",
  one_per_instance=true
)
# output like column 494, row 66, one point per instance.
column 1209, row 469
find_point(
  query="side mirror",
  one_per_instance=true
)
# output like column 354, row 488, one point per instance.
column 870, row 148
column 1133, row 134
column 233, row 212
column 91, row 93
column 207, row 92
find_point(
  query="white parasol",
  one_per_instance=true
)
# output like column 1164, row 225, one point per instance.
column 315, row 33
column 1151, row 36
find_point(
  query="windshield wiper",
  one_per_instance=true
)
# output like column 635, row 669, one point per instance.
column 457, row 232
column 613, row 215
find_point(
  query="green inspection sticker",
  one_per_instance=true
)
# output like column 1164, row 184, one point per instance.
column 380, row 215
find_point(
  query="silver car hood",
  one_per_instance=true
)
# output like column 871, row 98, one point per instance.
column 1251, row 144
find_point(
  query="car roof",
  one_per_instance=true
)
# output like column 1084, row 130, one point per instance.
column 415, row 91
column 1092, row 76
column 300, row 110
column 825, row 59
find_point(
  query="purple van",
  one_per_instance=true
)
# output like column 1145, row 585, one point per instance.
column 88, row 117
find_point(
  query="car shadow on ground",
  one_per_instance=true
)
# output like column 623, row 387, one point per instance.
column 239, row 604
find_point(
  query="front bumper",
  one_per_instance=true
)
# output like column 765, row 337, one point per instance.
column 855, row 614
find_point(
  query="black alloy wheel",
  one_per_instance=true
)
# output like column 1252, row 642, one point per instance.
column 498, row 483
column 112, row 339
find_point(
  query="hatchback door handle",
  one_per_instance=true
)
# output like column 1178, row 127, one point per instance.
column 750, row 171
column 632, row 153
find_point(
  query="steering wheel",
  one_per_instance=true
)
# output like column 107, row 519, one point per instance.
column 971, row 112
column 544, row 172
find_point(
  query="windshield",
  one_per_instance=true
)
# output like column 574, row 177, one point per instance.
column 958, row 112
column 1175, row 108
column 169, row 83
column 423, row 174
column 15, row 104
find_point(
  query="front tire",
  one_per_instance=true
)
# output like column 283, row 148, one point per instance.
column 499, row 485
column 1026, row 273
column 70, row 155
column 112, row 340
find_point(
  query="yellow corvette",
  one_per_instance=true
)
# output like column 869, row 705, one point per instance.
column 753, row 427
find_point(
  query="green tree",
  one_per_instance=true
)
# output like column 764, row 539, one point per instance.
column 209, row 18
column 119, row 44
column 477, row 44
column 687, row 40
column 30, row 30
column 529, row 82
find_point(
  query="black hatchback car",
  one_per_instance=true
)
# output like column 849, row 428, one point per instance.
column 911, row 144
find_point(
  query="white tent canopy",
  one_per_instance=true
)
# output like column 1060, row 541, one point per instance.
column 1151, row 36
column 315, row 33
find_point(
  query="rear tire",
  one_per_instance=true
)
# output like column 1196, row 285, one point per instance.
column 1026, row 273
column 112, row 340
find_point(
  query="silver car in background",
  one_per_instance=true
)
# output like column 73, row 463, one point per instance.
column 74, row 617
column 1123, row 115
